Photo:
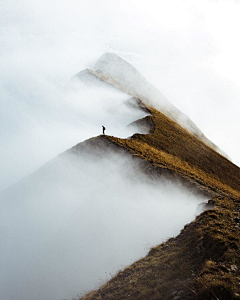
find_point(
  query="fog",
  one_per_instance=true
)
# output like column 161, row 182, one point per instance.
column 71, row 225
column 57, row 237
column 50, row 119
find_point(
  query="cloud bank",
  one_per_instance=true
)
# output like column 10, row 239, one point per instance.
column 45, row 119
column 71, row 225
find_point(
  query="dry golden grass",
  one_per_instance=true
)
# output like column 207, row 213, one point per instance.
column 171, row 147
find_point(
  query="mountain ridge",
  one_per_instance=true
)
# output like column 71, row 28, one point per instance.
column 202, row 262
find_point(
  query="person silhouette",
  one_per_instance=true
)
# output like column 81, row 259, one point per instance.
column 103, row 129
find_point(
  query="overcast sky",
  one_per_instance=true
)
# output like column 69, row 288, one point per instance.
column 188, row 49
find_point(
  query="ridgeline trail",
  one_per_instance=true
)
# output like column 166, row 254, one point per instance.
column 202, row 262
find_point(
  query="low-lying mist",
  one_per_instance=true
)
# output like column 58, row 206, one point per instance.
column 43, row 118
column 71, row 225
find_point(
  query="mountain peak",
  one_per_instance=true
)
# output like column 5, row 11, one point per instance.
column 122, row 75
column 116, row 66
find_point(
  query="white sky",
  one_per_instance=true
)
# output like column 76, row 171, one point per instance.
column 188, row 49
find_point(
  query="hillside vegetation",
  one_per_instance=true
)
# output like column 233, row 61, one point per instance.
column 202, row 262
column 170, row 146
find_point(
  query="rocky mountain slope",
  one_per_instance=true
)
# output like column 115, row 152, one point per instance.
column 202, row 262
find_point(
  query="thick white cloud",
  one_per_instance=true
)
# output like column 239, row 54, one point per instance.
column 78, row 220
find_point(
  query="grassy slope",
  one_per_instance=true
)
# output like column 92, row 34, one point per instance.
column 203, row 261
column 170, row 146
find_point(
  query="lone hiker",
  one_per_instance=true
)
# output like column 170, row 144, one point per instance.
column 103, row 129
